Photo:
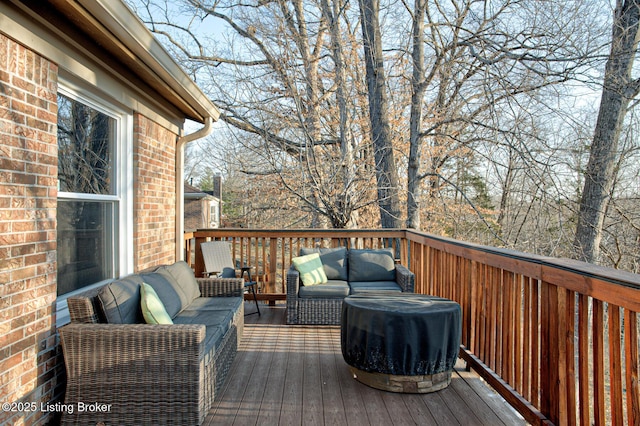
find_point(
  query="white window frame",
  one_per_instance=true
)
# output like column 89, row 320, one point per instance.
column 213, row 214
column 123, row 187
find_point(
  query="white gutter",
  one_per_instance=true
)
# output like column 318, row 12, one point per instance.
column 182, row 142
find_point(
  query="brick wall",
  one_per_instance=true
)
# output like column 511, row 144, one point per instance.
column 31, row 362
column 154, row 160
column 196, row 214
column 29, row 355
column 192, row 214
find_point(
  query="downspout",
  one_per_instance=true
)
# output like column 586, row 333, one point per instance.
column 182, row 142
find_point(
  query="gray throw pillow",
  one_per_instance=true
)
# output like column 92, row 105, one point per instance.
column 371, row 265
column 181, row 276
column 120, row 301
column 334, row 261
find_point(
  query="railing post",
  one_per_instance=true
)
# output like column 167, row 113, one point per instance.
column 199, row 265
column 187, row 252
column 273, row 265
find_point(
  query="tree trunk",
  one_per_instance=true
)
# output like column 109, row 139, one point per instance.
column 418, row 89
column 386, row 171
column 618, row 90
column 333, row 12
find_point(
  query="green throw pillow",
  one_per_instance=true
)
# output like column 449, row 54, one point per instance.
column 310, row 268
column 152, row 308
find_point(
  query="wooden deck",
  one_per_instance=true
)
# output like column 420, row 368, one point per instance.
column 295, row 375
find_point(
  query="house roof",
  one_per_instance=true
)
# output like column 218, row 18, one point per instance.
column 123, row 36
column 193, row 193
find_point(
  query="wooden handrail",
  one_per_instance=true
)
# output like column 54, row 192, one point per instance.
column 557, row 338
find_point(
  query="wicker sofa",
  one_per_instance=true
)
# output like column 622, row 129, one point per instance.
column 151, row 374
column 348, row 272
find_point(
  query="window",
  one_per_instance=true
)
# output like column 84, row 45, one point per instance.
column 213, row 214
column 94, row 230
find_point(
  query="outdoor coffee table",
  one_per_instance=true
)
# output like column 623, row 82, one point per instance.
column 401, row 342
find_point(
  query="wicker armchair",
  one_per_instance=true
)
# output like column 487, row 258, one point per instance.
column 147, row 374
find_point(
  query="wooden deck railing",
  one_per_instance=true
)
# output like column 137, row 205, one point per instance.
column 269, row 252
column 558, row 339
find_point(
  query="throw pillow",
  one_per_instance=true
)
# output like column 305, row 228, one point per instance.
column 310, row 268
column 169, row 294
column 182, row 276
column 153, row 310
column 120, row 301
column 334, row 261
column 371, row 265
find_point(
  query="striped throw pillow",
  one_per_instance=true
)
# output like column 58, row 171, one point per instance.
column 310, row 268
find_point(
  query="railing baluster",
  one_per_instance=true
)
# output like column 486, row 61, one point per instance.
column 631, row 364
column 567, row 312
column 526, row 343
column 550, row 347
column 494, row 316
column 535, row 341
column 500, row 327
column 570, row 356
column 583, row 359
column 615, row 364
column 481, row 311
column 598, row 361
column 264, row 267
column 517, row 327
column 273, row 264
column 474, row 301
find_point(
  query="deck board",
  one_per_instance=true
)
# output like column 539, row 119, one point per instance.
column 296, row 375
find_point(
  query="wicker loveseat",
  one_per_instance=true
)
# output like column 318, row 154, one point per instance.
column 141, row 373
column 348, row 272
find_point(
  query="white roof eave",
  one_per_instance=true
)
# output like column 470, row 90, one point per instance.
column 130, row 33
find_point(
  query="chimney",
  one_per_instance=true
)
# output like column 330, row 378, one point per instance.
column 217, row 186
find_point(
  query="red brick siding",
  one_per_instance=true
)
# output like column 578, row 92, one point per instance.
column 30, row 360
column 154, row 159
column 196, row 214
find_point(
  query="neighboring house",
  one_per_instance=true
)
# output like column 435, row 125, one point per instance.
column 201, row 209
column 92, row 114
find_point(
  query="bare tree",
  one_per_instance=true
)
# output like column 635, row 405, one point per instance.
column 386, row 172
column 333, row 11
column 286, row 81
column 470, row 101
column 419, row 87
column 618, row 91
column 483, row 61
